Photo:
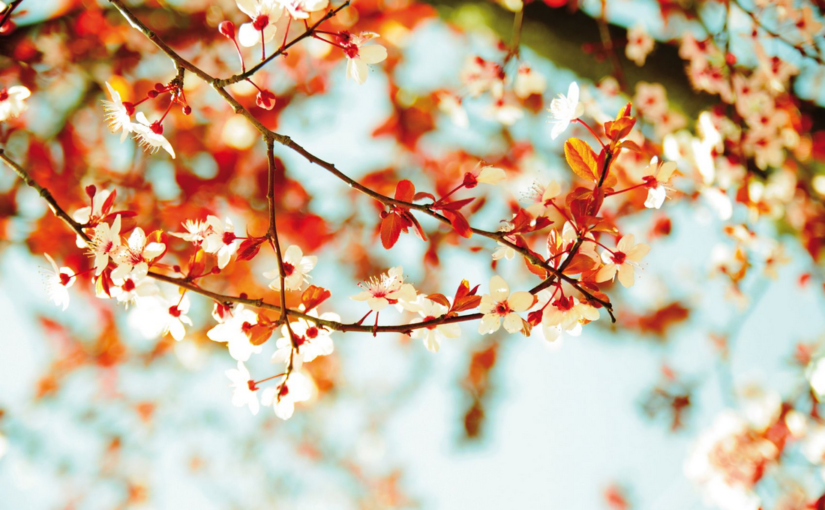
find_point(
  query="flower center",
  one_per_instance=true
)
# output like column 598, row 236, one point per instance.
column 429, row 318
column 312, row 332
column 129, row 285
column 174, row 311
column 300, row 340
column 502, row 308
column 288, row 269
column 4, row 94
column 157, row 127
column 619, row 257
column 228, row 237
column 64, row 279
column 351, row 50
column 108, row 246
column 261, row 22
column 284, row 391
column 564, row 303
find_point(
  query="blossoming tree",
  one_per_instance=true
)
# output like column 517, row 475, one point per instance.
column 159, row 138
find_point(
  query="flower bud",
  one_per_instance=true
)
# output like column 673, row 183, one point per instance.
column 470, row 180
column 534, row 318
column 159, row 87
column 8, row 27
column 265, row 100
column 130, row 107
column 152, row 93
column 227, row 29
column 187, row 110
column 91, row 190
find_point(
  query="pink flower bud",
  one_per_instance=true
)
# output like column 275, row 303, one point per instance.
column 159, row 87
column 265, row 100
column 91, row 190
column 227, row 29
column 470, row 180
column 187, row 110
column 152, row 93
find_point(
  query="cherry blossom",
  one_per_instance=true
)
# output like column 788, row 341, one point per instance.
column 504, row 112
column 132, row 285
column 430, row 310
column 480, row 75
column 728, row 460
column 528, row 82
column 542, row 196
column 57, row 282
column 242, row 392
column 504, row 252
column 451, row 105
column 12, row 101
column 658, row 175
column 221, row 240
column 106, row 243
column 359, row 55
column 565, row 109
column 300, row 9
column 118, row 114
column 150, row 135
column 298, row 388
column 196, row 232
column 136, row 254
column 639, row 45
column 485, row 174
column 500, row 304
column 94, row 212
column 385, row 289
column 233, row 332
column 177, row 318
column 622, row 260
column 262, row 28
column 296, row 267
column 312, row 341
column 565, row 314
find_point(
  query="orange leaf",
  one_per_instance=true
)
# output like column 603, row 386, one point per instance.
column 441, row 299
column 314, row 296
column 581, row 159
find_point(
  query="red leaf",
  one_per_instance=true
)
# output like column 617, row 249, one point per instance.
column 110, row 201
column 391, row 227
column 456, row 204
column 250, row 247
column 405, row 191
column 459, row 223
column 421, row 195
column 410, row 219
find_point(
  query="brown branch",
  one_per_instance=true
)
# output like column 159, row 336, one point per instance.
column 282, row 51
column 46, row 194
column 270, row 136
column 224, row 298
column 9, row 9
